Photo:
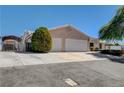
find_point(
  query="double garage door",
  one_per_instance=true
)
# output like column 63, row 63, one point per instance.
column 70, row 45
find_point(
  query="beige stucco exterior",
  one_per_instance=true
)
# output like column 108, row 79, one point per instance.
column 70, row 34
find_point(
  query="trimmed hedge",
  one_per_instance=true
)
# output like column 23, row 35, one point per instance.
column 113, row 52
column 41, row 40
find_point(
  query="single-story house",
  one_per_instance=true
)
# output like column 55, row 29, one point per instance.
column 64, row 38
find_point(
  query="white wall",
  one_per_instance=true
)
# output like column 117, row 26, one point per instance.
column 29, row 40
column 76, row 45
column 114, row 47
column 56, row 44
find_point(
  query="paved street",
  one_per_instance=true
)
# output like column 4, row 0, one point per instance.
column 98, row 72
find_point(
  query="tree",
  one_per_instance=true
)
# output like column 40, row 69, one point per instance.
column 114, row 30
column 41, row 40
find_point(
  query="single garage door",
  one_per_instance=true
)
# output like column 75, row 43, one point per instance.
column 56, row 44
column 76, row 45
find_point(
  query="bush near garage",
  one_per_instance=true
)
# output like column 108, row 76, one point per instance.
column 41, row 40
column 113, row 52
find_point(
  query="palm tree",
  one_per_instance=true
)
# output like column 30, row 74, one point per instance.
column 114, row 30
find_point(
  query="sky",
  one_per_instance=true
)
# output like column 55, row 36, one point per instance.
column 14, row 20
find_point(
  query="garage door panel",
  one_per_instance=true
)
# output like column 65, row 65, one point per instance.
column 56, row 44
column 76, row 45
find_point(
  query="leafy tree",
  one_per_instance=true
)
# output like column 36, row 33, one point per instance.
column 41, row 40
column 114, row 30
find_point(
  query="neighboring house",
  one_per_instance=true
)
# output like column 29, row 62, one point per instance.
column 64, row 38
column 96, row 44
column 26, row 41
column 10, row 43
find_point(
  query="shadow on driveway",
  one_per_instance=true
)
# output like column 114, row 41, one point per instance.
column 110, row 57
column 30, row 52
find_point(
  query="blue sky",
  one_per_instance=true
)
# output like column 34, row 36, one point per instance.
column 14, row 20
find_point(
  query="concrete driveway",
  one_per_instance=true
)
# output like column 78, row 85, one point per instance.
column 9, row 59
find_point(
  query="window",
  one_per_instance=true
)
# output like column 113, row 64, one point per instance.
column 91, row 44
column 100, row 46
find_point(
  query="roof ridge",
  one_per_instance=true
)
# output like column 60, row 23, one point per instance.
column 61, row 26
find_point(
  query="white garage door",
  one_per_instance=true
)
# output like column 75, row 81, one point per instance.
column 56, row 44
column 76, row 45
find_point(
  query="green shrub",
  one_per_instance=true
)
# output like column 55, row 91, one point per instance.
column 41, row 40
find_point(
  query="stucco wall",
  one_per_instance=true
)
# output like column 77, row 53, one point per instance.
column 56, row 44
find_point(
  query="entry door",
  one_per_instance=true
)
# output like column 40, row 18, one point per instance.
column 28, row 46
column 91, row 46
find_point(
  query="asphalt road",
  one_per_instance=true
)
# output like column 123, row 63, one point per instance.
column 98, row 73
